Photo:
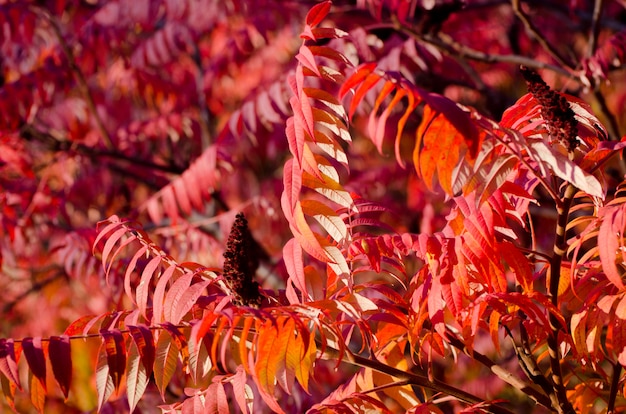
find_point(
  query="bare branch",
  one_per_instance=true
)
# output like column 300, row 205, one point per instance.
column 538, row 36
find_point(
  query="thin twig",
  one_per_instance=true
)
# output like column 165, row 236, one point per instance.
column 80, row 77
column 503, row 374
column 517, row 8
column 594, row 31
column 410, row 378
column 446, row 43
column 205, row 117
column 36, row 287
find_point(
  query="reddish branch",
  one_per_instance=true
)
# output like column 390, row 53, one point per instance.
column 80, row 77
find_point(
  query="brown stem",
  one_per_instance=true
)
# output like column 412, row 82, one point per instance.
column 555, row 273
column 447, row 44
column 617, row 372
column 595, row 27
column 502, row 373
column 517, row 8
column 410, row 378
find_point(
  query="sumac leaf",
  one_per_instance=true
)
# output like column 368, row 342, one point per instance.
column 60, row 357
column 35, row 356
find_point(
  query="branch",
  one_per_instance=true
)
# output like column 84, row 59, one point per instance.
column 502, row 373
column 538, row 37
column 80, row 77
column 36, row 287
column 408, row 377
column 449, row 45
column 595, row 27
column 617, row 372
column 560, row 246
column 205, row 117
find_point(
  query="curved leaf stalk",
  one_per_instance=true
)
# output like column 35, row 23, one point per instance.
column 407, row 378
column 555, row 273
column 617, row 373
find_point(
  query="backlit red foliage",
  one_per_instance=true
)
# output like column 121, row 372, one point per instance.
column 302, row 206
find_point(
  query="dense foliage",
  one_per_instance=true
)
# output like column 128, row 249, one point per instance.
column 300, row 206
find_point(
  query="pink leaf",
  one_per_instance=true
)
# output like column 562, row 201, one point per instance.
column 158, row 297
column 8, row 362
column 613, row 224
column 187, row 300
column 292, row 255
column 143, row 288
column 104, row 382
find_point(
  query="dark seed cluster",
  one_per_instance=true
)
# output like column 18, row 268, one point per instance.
column 555, row 110
column 240, row 264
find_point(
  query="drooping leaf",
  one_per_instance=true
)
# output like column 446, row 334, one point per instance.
column 60, row 357
column 136, row 376
column 263, row 371
column 35, row 356
column 114, row 346
column 165, row 362
column 242, row 391
column 144, row 341
column 104, row 382
column 8, row 362
column 611, row 234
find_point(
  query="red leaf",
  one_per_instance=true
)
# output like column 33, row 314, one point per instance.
column 241, row 390
column 60, row 357
column 317, row 13
column 78, row 325
column 144, row 340
column 35, row 356
column 113, row 342
column 8, row 362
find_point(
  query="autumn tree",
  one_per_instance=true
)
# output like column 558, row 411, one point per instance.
column 300, row 206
